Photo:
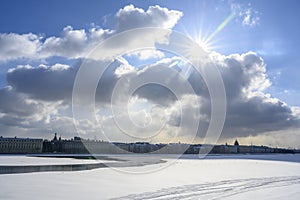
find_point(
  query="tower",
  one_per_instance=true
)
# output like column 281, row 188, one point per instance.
column 55, row 137
column 236, row 143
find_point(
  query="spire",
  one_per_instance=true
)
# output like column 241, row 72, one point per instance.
column 236, row 143
column 55, row 137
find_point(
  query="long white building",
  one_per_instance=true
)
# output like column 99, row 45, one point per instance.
column 20, row 145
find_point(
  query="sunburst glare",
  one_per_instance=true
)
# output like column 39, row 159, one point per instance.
column 205, row 38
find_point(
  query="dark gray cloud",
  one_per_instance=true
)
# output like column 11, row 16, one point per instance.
column 49, row 83
column 254, row 116
column 250, row 111
column 23, row 116
column 15, row 104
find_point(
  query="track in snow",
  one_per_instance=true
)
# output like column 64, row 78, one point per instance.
column 215, row 190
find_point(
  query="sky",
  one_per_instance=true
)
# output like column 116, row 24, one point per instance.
column 254, row 46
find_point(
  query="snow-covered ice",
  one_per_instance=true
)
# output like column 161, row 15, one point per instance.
column 227, row 177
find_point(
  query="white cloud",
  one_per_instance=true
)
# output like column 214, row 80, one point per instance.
column 124, row 68
column 131, row 17
column 248, row 16
column 15, row 46
column 70, row 44
column 249, row 19
column 147, row 54
column 40, row 96
column 77, row 43
column 250, row 110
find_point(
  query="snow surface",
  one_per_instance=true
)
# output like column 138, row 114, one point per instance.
column 262, row 177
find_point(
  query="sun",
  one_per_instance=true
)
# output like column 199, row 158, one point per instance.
column 204, row 40
column 207, row 40
column 203, row 43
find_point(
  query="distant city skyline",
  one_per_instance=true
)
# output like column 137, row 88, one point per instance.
column 79, row 146
column 253, row 44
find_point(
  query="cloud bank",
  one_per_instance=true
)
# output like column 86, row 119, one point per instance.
column 38, row 98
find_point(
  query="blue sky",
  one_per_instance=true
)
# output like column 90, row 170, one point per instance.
column 276, row 37
column 255, row 45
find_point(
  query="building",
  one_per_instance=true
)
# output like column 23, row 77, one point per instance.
column 172, row 148
column 20, row 145
column 78, row 145
column 225, row 149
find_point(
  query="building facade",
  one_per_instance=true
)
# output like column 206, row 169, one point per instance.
column 20, row 145
column 78, row 145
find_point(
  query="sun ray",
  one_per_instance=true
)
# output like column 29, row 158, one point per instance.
column 221, row 26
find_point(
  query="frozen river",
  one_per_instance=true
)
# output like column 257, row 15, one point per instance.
column 217, row 177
